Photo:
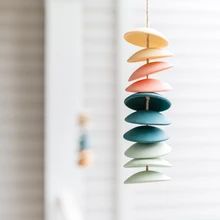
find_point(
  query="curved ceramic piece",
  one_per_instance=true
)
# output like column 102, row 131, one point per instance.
column 147, row 118
column 148, row 85
column 156, row 102
column 149, row 68
column 144, row 54
column 146, row 134
column 146, row 37
column 146, row 176
column 157, row 162
column 148, row 150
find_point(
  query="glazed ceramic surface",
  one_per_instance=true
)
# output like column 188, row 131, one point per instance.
column 149, row 85
column 149, row 68
column 144, row 54
column 146, row 134
column 147, row 118
column 146, row 37
column 146, row 176
column 138, row 150
column 157, row 162
column 157, row 102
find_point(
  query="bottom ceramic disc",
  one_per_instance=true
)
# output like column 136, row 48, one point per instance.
column 156, row 162
column 146, row 176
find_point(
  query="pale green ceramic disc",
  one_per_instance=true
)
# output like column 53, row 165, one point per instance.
column 157, row 162
column 144, row 151
column 147, row 118
column 146, row 176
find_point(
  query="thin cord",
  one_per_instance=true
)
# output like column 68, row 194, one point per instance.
column 147, row 13
column 147, row 25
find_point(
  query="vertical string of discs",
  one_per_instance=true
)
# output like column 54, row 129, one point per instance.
column 150, row 145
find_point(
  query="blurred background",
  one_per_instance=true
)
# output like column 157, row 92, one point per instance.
column 62, row 58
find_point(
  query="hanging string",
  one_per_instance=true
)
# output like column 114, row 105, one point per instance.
column 147, row 25
column 147, row 13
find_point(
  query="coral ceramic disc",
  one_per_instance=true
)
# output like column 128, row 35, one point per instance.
column 148, row 69
column 148, row 85
column 146, row 134
column 156, row 102
column 147, row 118
column 146, row 176
column 143, row 55
column 148, row 150
column 157, row 162
column 146, row 37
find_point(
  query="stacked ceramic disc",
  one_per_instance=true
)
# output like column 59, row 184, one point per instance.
column 149, row 139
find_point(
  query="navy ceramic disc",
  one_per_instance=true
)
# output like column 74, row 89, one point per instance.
column 157, row 102
column 146, row 134
column 147, row 118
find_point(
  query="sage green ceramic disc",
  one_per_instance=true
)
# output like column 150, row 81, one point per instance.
column 146, row 176
column 148, row 150
column 146, row 134
column 157, row 162
column 156, row 102
column 147, row 118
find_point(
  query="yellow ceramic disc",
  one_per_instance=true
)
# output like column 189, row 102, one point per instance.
column 146, row 37
column 143, row 55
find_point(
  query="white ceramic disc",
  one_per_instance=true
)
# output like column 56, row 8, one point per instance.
column 146, row 176
column 144, row 151
column 140, row 36
column 157, row 162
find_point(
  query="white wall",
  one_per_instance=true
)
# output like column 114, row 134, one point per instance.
column 194, row 191
column 63, row 97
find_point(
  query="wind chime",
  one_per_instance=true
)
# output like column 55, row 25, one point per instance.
column 85, row 153
column 149, row 148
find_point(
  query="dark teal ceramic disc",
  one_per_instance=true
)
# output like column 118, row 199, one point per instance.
column 146, row 134
column 157, row 102
column 147, row 118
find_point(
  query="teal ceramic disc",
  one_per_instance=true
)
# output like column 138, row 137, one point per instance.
column 146, row 134
column 146, row 176
column 148, row 150
column 157, row 102
column 147, row 118
column 157, row 162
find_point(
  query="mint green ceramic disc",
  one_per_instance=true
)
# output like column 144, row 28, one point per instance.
column 148, row 150
column 157, row 162
column 146, row 176
column 147, row 118
column 146, row 134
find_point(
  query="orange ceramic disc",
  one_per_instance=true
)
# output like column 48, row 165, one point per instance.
column 146, row 37
column 148, row 69
column 146, row 53
column 148, row 85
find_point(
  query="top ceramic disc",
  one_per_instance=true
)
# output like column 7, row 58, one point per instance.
column 145, row 134
column 147, row 118
column 157, row 162
column 146, row 37
column 146, row 176
column 144, row 54
column 149, row 68
column 148, row 150
column 156, row 102
column 148, row 85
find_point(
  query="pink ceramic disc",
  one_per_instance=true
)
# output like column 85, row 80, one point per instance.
column 148, row 85
column 148, row 69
